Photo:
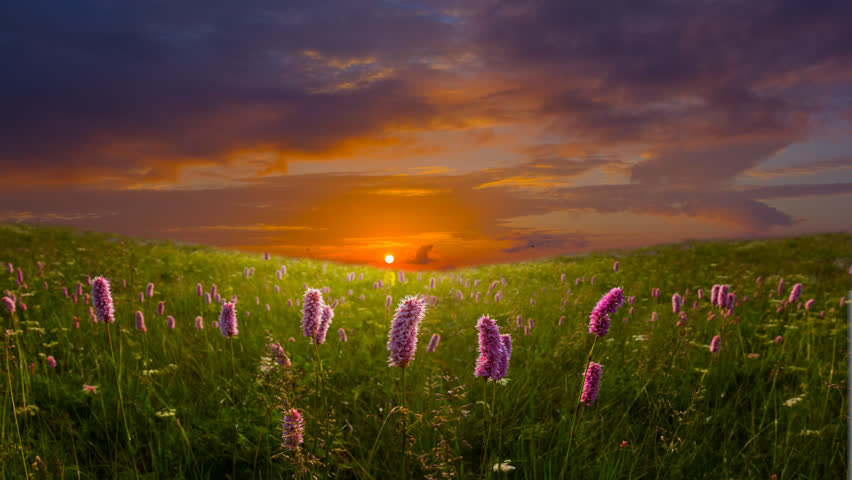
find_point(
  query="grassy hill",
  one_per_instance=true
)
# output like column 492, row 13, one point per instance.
column 187, row 403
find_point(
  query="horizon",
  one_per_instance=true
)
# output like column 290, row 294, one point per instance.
column 442, row 133
column 408, row 268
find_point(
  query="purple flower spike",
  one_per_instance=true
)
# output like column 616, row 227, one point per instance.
column 676, row 301
column 149, row 290
column 228, row 320
column 809, row 304
column 51, row 362
column 492, row 353
column 795, row 293
column 199, row 323
column 715, row 344
column 325, row 321
column 607, row 305
column 342, row 334
column 780, row 286
column 9, row 304
column 170, row 322
column 402, row 339
column 102, row 299
column 615, row 267
column 722, row 299
column 294, row 428
column 433, row 343
column 140, row 321
column 161, row 308
column 591, row 385
column 506, row 340
column 312, row 312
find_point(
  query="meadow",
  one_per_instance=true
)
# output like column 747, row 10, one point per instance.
column 91, row 400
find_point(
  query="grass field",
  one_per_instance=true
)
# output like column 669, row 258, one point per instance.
column 188, row 403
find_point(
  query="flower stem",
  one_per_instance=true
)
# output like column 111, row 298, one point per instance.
column 577, row 411
column 325, row 406
column 404, row 440
column 234, row 401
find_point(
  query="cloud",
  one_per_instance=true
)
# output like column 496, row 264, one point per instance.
column 801, row 169
column 422, row 255
column 430, row 117
column 544, row 242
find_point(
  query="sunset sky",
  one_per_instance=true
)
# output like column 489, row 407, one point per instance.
column 446, row 133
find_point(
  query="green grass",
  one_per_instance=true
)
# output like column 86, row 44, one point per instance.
column 683, row 412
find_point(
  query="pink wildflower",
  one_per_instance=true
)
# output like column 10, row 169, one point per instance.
column 51, row 362
column 716, row 344
column 228, row 320
column 140, row 321
column 795, row 293
column 676, row 300
column 149, row 290
column 9, row 304
column 607, row 305
column 170, row 322
column 591, row 384
column 342, row 334
column 102, row 299
column 433, row 343
column 325, row 321
column 90, row 388
column 294, row 428
column 492, row 353
column 402, row 339
column 312, row 312
column 199, row 323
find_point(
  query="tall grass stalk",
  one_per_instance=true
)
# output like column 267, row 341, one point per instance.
column 325, row 406
column 14, row 410
column 121, row 399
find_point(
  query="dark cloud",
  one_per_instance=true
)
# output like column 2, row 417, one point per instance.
column 544, row 243
column 677, row 98
column 422, row 255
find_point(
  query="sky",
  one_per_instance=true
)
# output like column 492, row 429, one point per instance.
column 446, row 133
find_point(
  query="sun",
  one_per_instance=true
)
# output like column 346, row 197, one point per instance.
column 388, row 258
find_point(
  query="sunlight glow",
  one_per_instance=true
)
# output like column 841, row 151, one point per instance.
column 389, row 259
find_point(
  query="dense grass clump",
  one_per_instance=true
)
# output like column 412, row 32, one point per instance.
column 162, row 393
